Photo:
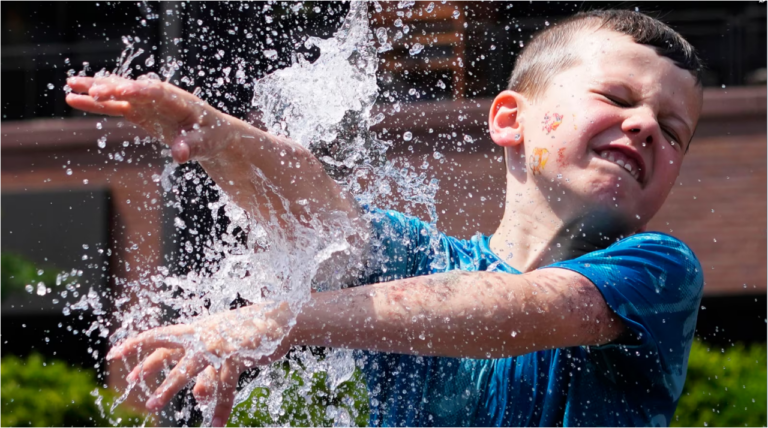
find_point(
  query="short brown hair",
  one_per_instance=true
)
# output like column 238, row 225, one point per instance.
column 549, row 53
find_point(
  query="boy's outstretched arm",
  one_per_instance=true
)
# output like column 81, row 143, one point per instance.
column 455, row 314
column 228, row 148
column 462, row 314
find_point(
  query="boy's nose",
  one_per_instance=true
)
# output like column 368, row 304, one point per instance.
column 648, row 139
column 641, row 126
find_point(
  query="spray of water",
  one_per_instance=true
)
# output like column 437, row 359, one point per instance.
column 274, row 257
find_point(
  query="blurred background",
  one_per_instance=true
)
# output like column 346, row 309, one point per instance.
column 78, row 193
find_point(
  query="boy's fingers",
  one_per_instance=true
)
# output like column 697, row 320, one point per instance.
column 191, row 145
column 226, row 395
column 163, row 98
column 155, row 362
column 206, row 385
column 163, row 337
column 186, row 370
column 88, row 104
column 80, row 85
column 199, row 144
column 180, row 151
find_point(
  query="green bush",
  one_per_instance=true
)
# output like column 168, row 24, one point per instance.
column 302, row 406
column 36, row 392
column 17, row 271
column 724, row 387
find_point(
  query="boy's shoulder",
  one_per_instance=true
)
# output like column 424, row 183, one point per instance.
column 647, row 263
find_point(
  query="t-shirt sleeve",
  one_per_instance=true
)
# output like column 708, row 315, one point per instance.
column 654, row 283
column 402, row 246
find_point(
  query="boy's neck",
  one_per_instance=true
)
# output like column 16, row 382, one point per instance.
column 531, row 235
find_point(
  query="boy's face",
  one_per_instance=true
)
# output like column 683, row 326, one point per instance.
column 608, row 136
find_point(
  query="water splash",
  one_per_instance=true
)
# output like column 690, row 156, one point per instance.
column 277, row 255
column 326, row 105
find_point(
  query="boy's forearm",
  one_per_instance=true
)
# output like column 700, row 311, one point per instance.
column 455, row 314
column 291, row 172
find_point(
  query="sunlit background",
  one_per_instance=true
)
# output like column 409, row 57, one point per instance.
column 72, row 200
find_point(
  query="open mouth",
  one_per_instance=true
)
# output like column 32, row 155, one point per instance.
column 629, row 163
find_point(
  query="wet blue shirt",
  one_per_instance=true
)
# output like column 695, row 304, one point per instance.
column 651, row 280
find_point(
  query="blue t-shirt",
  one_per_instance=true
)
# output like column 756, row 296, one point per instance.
column 651, row 280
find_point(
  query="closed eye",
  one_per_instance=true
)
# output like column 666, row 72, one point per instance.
column 671, row 137
column 618, row 101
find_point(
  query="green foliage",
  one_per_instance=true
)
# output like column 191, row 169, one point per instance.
column 39, row 393
column 303, row 406
column 18, row 271
column 724, row 387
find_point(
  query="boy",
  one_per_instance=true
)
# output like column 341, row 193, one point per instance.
column 576, row 316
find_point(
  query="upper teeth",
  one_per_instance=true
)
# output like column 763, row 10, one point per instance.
column 621, row 159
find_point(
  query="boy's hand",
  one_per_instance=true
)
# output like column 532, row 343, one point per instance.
column 214, row 350
column 188, row 125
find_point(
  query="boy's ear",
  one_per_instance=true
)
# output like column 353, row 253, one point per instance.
column 504, row 119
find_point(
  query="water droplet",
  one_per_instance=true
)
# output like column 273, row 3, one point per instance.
column 407, row 136
column 50, row 86
column 150, row 61
column 29, row 288
column 468, row 139
column 416, row 49
column 455, row 14
column 85, row 181
column 41, row 290
column 179, row 223
column 270, row 53
column 440, row 84
column 430, row 7
column 69, row 171
column 102, row 142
